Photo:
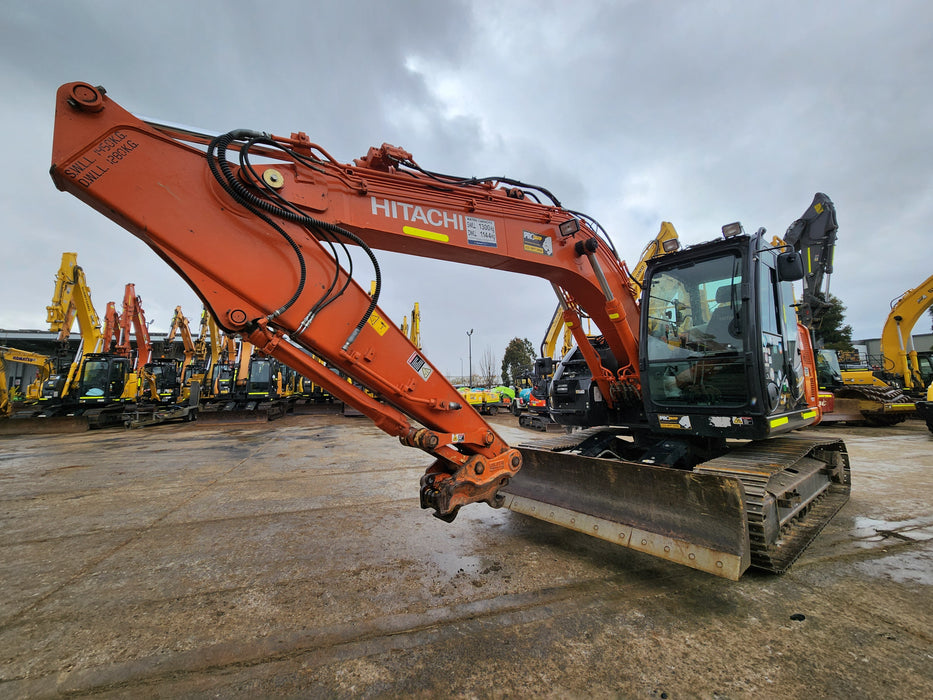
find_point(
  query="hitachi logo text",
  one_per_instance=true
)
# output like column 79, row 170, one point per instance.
column 438, row 218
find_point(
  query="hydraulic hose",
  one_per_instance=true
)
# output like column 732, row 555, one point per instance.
column 223, row 173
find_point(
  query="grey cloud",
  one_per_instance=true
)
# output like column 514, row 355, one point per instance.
column 699, row 113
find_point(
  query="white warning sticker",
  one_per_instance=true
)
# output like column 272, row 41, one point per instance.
column 421, row 366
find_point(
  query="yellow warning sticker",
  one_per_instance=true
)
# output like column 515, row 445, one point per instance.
column 378, row 323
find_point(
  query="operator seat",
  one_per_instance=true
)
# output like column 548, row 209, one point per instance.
column 722, row 317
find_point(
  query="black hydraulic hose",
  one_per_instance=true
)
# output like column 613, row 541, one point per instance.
column 326, row 297
column 242, row 194
column 296, row 216
column 464, row 181
column 528, row 191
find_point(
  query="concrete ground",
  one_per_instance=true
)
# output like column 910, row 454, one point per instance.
column 292, row 559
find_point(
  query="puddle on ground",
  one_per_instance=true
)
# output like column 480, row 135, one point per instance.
column 452, row 564
column 904, row 565
column 914, row 566
column 868, row 532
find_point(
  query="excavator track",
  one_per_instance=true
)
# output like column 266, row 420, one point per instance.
column 794, row 485
column 874, row 405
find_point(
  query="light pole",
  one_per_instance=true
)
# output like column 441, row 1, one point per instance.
column 470, row 340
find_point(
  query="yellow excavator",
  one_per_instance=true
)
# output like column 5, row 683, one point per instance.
column 56, row 407
column 881, row 390
column 902, row 364
column 97, row 380
column 10, row 391
column 414, row 333
column 170, row 390
column 71, row 301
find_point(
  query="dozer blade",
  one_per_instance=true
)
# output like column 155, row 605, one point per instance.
column 43, row 426
column 233, row 416
column 234, row 412
column 698, row 520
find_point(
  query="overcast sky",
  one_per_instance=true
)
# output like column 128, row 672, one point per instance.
column 698, row 113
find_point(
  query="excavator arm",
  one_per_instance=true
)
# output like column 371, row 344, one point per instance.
column 133, row 320
column 813, row 236
column 111, row 335
column 261, row 245
column 900, row 356
column 71, row 299
column 180, row 326
column 201, row 344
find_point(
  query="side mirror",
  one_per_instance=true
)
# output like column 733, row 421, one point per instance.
column 789, row 267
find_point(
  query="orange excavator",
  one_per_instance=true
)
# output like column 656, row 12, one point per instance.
column 688, row 447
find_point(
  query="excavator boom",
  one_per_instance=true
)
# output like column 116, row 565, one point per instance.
column 280, row 286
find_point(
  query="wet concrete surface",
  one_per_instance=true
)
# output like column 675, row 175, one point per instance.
column 292, row 559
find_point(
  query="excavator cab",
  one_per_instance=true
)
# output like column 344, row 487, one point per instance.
column 195, row 370
column 718, row 351
column 262, row 383
column 165, row 374
column 222, row 380
column 828, row 369
column 719, row 342
column 52, row 388
column 103, row 378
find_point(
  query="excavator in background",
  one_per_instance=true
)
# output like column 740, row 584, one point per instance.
column 689, row 447
column 853, row 392
column 180, row 327
column 200, row 365
column 170, row 374
column 902, row 364
column 881, row 390
column 667, row 241
column 411, row 331
column 223, row 368
column 167, row 391
column 535, row 399
column 245, row 385
column 531, row 405
column 14, row 389
column 57, row 409
column 109, row 382
column 311, row 393
column 71, row 301
column 414, row 334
